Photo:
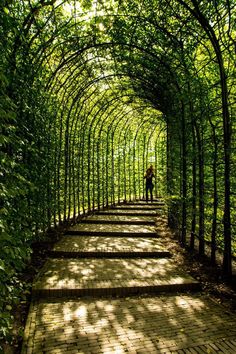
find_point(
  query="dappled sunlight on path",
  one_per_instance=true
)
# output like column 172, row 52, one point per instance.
column 96, row 243
column 121, row 218
column 112, row 228
column 130, row 325
column 63, row 273
column 122, row 211
column 93, row 295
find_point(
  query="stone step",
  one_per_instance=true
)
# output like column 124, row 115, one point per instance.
column 138, row 207
column 112, row 233
column 119, row 220
column 112, row 230
column 105, row 247
column 180, row 323
column 101, row 277
column 123, row 217
column 143, row 202
column 122, row 212
column 108, row 254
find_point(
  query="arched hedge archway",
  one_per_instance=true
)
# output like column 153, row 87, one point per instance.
column 92, row 92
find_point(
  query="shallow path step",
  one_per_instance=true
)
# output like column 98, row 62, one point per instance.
column 118, row 222
column 100, row 277
column 110, row 247
column 119, row 219
column 112, row 230
column 138, row 206
column 128, row 212
column 143, row 202
column 165, row 324
column 107, row 254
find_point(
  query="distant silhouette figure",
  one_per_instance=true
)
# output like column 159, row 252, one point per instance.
column 149, row 185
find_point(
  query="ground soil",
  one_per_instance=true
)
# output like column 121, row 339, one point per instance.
column 199, row 267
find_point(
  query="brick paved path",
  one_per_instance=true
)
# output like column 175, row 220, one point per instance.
column 72, row 310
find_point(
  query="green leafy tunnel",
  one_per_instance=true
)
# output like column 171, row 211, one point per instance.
column 91, row 93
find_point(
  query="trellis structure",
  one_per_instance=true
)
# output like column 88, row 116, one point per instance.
column 93, row 92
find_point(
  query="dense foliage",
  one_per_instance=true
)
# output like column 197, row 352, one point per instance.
column 93, row 92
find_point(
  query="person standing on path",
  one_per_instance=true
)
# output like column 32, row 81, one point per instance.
column 149, row 185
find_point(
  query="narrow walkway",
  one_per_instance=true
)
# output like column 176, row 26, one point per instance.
column 110, row 286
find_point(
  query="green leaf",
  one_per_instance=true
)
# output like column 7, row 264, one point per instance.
column 6, row 10
column 2, row 265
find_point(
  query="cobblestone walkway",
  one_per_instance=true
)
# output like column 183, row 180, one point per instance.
column 111, row 293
